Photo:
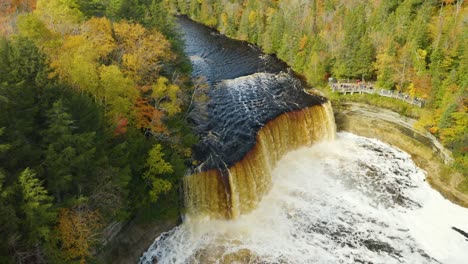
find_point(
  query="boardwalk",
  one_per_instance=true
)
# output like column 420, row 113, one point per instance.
column 352, row 88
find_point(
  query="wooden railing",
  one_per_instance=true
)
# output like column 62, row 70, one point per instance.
column 360, row 88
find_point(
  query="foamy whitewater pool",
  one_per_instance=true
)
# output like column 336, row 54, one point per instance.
column 353, row 200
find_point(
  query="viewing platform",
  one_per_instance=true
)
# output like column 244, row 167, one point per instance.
column 369, row 88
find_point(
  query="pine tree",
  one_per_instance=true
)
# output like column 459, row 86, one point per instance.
column 69, row 157
column 36, row 207
column 8, row 218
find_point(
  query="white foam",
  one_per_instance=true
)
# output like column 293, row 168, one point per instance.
column 354, row 199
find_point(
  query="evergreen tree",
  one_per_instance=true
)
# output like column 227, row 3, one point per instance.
column 68, row 156
column 8, row 218
column 36, row 207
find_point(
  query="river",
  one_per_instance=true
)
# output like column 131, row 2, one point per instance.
column 348, row 200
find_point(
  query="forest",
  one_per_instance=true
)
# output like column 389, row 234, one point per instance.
column 93, row 130
column 417, row 47
column 94, row 96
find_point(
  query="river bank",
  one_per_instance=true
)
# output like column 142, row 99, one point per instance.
column 358, row 118
column 361, row 119
column 397, row 130
column 134, row 238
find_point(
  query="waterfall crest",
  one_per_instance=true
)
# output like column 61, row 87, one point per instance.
column 228, row 193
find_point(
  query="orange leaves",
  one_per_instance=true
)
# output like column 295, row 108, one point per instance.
column 12, row 6
column 137, row 56
column 121, row 127
column 9, row 9
column 303, row 42
column 115, row 63
column 423, row 85
column 78, row 231
column 148, row 117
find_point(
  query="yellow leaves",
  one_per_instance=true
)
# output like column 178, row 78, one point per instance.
column 269, row 13
column 131, row 63
column 224, row 19
column 434, row 130
column 61, row 16
column 128, row 34
column 426, row 121
column 459, row 128
column 143, row 51
column 133, row 55
column 117, row 91
column 303, row 42
column 113, row 82
column 422, row 54
column 75, row 63
column 78, row 231
column 159, row 88
column 156, row 165
column 411, row 90
column 83, row 73
column 383, row 62
column 98, row 31
column 167, row 95
column 159, row 186
column 252, row 18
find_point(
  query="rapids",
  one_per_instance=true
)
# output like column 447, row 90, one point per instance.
column 274, row 187
column 352, row 200
column 257, row 111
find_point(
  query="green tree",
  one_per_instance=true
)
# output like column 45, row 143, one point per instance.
column 131, row 10
column 159, row 18
column 68, row 156
column 92, row 8
column 156, row 167
column 8, row 218
column 32, row 27
column 36, row 207
column 364, row 59
column 119, row 93
column 23, row 75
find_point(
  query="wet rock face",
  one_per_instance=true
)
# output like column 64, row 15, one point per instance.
column 247, row 89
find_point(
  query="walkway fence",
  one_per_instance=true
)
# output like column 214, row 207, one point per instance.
column 368, row 88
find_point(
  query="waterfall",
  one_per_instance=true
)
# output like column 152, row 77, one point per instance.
column 266, row 191
column 348, row 200
column 226, row 194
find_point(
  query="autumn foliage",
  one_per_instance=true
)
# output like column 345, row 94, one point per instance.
column 87, row 87
column 78, row 230
column 148, row 117
column 115, row 62
column 9, row 9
